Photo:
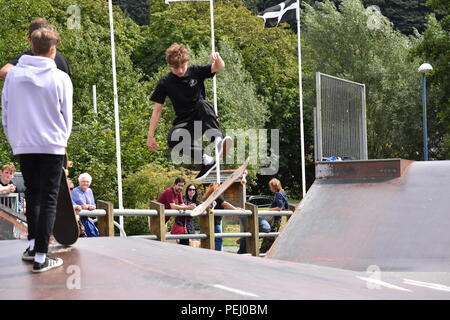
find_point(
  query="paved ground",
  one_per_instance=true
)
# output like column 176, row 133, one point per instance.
column 374, row 238
column 131, row 268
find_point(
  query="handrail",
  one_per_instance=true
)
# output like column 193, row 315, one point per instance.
column 157, row 222
column 10, row 200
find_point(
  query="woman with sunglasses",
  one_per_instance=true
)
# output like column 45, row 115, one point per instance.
column 188, row 221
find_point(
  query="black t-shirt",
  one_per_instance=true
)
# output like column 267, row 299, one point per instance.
column 5, row 184
column 61, row 62
column 184, row 92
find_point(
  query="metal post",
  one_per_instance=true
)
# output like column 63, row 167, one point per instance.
column 302, row 138
column 424, row 117
column 94, row 98
column 116, row 111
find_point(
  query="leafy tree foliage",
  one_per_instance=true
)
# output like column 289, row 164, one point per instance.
column 348, row 44
column 87, row 49
column 257, row 89
column 139, row 10
column 434, row 48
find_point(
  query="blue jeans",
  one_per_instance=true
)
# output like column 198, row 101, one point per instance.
column 218, row 241
column 263, row 226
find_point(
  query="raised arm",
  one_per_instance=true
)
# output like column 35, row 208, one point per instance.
column 217, row 62
column 229, row 206
column 174, row 206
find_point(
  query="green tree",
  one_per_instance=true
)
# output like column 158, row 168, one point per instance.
column 146, row 185
column 138, row 10
column 269, row 55
column 433, row 48
column 87, row 49
column 405, row 15
column 349, row 43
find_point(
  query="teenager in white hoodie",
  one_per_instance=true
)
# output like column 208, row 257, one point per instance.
column 37, row 121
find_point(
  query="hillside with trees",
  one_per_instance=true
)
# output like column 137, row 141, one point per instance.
column 258, row 88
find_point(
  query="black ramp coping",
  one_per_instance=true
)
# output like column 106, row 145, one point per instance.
column 396, row 224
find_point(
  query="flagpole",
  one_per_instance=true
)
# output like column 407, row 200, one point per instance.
column 116, row 112
column 302, row 138
column 213, row 49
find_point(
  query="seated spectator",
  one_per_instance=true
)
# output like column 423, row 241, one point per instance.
column 220, row 205
column 84, row 197
column 7, row 173
column 172, row 197
column 188, row 221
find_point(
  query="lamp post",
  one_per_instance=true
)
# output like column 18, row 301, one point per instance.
column 424, row 68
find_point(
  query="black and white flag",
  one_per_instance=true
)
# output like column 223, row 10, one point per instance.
column 282, row 12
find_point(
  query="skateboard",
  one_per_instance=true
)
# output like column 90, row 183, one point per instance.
column 65, row 230
column 222, row 188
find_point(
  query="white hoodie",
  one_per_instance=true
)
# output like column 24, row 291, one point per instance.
column 37, row 107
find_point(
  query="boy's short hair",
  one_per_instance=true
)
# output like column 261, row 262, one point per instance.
column 9, row 167
column 38, row 24
column 177, row 55
column 43, row 39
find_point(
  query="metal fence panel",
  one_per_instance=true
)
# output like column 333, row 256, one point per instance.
column 340, row 119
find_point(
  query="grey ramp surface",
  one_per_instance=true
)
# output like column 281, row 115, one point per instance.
column 132, row 268
column 400, row 224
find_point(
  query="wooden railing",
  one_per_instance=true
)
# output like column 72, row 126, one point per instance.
column 158, row 230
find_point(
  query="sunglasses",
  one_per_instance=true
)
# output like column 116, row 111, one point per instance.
column 191, row 189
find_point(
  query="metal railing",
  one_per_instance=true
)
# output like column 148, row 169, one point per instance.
column 10, row 200
column 157, row 213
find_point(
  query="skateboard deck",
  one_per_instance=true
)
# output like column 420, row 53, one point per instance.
column 222, row 188
column 65, row 230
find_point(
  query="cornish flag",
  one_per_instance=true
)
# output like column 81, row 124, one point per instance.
column 282, row 12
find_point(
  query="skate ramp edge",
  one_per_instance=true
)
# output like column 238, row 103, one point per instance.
column 397, row 218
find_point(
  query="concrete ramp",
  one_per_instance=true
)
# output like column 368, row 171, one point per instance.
column 131, row 268
column 388, row 214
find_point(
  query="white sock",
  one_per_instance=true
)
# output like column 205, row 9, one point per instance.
column 31, row 244
column 40, row 257
column 207, row 159
column 218, row 140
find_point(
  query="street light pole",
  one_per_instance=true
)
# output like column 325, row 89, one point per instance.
column 424, row 117
column 424, row 68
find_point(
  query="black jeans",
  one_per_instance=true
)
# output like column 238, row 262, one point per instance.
column 42, row 177
column 204, row 113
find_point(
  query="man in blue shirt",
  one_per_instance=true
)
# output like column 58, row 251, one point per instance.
column 84, row 197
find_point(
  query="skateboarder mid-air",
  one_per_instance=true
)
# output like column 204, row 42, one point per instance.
column 184, row 86
column 37, row 121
